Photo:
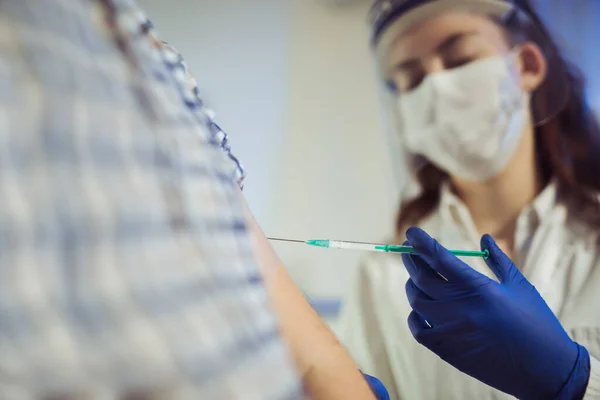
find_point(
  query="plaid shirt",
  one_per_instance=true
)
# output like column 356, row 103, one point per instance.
column 125, row 267
column 188, row 88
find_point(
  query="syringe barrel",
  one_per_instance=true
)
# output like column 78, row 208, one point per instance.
column 336, row 244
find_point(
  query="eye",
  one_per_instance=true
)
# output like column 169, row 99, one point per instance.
column 413, row 83
column 458, row 62
column 405, row 82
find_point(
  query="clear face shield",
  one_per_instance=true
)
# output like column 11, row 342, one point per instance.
column 393, row 19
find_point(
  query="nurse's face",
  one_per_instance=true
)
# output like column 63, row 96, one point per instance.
column 453, row 40
column 441, row 43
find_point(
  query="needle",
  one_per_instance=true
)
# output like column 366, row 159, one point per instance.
column 287, row 240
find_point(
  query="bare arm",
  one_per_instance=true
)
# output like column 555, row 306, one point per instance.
column 327, row 370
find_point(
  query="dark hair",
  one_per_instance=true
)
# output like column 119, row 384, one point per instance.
column 568, row 144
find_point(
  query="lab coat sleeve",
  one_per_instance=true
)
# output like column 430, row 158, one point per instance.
column 593, row 389
column 360, row 328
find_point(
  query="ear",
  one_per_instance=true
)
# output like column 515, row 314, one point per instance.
column 533, row 66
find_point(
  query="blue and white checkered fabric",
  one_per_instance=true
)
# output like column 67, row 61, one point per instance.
column 125, row 266
column 188, row 88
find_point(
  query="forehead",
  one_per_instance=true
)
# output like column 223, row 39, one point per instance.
column 424, row 38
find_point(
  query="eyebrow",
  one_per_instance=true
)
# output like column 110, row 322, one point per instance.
column 442, row 47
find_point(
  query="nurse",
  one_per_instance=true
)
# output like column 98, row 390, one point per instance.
column 493, row 124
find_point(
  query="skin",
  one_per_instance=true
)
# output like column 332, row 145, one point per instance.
column 326, row 369
column 450, row 41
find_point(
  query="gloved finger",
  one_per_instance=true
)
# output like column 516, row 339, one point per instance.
column 499, row 263
column 419, row 328
column 420, row 302
column 422, row 274
column 440, row 259
column 425, row 278
column 430, row 272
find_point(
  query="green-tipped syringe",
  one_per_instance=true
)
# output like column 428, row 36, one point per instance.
column 388, row 248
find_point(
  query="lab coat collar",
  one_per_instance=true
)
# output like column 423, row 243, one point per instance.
column 453, row 207
column 545, row 201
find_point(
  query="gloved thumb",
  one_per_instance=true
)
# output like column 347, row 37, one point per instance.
column 499, row 263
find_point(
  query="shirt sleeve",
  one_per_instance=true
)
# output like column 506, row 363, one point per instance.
column 593, row 389
column 190, row 94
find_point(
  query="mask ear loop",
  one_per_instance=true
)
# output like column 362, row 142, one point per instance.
column 406, row 164
column 411, row 163
column 552, row 115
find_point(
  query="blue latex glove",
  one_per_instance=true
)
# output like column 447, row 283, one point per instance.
column 502, row 334
column 377, row 387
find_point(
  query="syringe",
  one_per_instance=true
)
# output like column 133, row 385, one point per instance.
column 388, row 248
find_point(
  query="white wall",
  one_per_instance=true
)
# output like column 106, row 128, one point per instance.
column 292, row 83
column 336, row 178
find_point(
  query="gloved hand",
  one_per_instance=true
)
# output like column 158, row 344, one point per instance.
column 502, row 334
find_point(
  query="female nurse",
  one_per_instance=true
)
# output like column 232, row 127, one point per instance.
column 493, row 123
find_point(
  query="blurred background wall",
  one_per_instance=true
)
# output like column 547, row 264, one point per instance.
column 293, row 83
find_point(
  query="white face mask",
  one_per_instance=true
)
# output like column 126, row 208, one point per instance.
column 469, row 120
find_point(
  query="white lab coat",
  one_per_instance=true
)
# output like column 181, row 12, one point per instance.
column 557, row 254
